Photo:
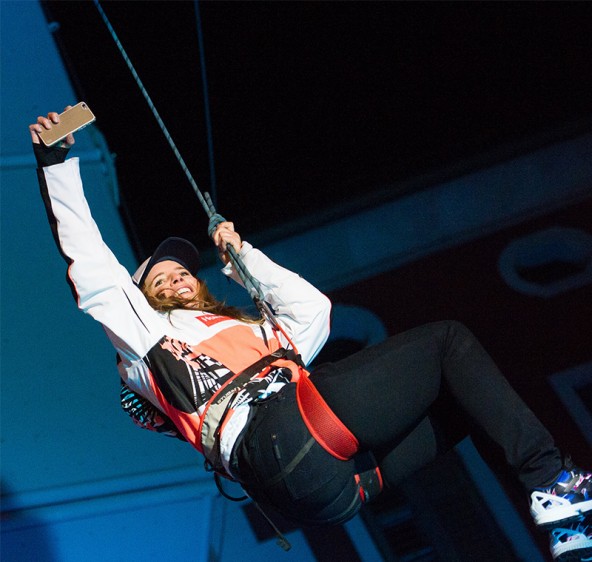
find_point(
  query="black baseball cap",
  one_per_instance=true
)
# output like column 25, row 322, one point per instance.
column 175, row 249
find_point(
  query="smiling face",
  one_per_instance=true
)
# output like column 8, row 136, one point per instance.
column 170, row 279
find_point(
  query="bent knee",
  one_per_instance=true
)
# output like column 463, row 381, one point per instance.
column 452, row 330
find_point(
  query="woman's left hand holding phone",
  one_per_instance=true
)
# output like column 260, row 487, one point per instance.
column 45, row 123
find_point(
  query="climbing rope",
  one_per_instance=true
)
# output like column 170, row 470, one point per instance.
column 251, row 284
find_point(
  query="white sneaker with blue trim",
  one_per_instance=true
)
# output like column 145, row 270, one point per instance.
column 566, row 501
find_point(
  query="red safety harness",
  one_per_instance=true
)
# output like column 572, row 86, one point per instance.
column 328, row 430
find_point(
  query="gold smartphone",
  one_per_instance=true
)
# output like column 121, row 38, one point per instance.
column 72, row 120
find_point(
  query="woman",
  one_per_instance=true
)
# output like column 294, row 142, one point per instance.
column 227, row 385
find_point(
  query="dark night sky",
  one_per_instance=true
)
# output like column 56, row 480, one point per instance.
column 316, row 103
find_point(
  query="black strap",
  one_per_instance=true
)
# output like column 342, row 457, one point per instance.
column 291, row 465
column 246, row 375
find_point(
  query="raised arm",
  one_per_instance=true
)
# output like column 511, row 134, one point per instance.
column 101, row 286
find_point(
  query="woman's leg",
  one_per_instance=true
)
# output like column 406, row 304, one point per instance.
column 390, row 394
column 415, row 451
column 382, row 393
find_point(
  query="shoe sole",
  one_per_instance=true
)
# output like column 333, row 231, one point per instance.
column 580, row 555
column 562, row 516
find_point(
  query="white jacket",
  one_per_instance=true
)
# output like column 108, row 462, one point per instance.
column 177, row 362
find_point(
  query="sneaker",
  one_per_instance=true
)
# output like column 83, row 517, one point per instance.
column 573, row 544
column 564, row 502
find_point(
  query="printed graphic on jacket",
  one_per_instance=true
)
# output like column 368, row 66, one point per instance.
column 188, row 379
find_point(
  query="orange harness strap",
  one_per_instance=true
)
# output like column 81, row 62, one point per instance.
column 323, row 424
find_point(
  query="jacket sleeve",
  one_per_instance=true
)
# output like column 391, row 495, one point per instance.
column 101, row 286
column 300, row 308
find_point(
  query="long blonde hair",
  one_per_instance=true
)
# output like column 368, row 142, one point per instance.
column 203, row 300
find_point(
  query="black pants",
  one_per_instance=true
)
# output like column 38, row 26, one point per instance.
column 282, row 467
column 420, row 392
column 406, row 400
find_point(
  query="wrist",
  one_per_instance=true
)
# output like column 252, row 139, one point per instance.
column 49, row 155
